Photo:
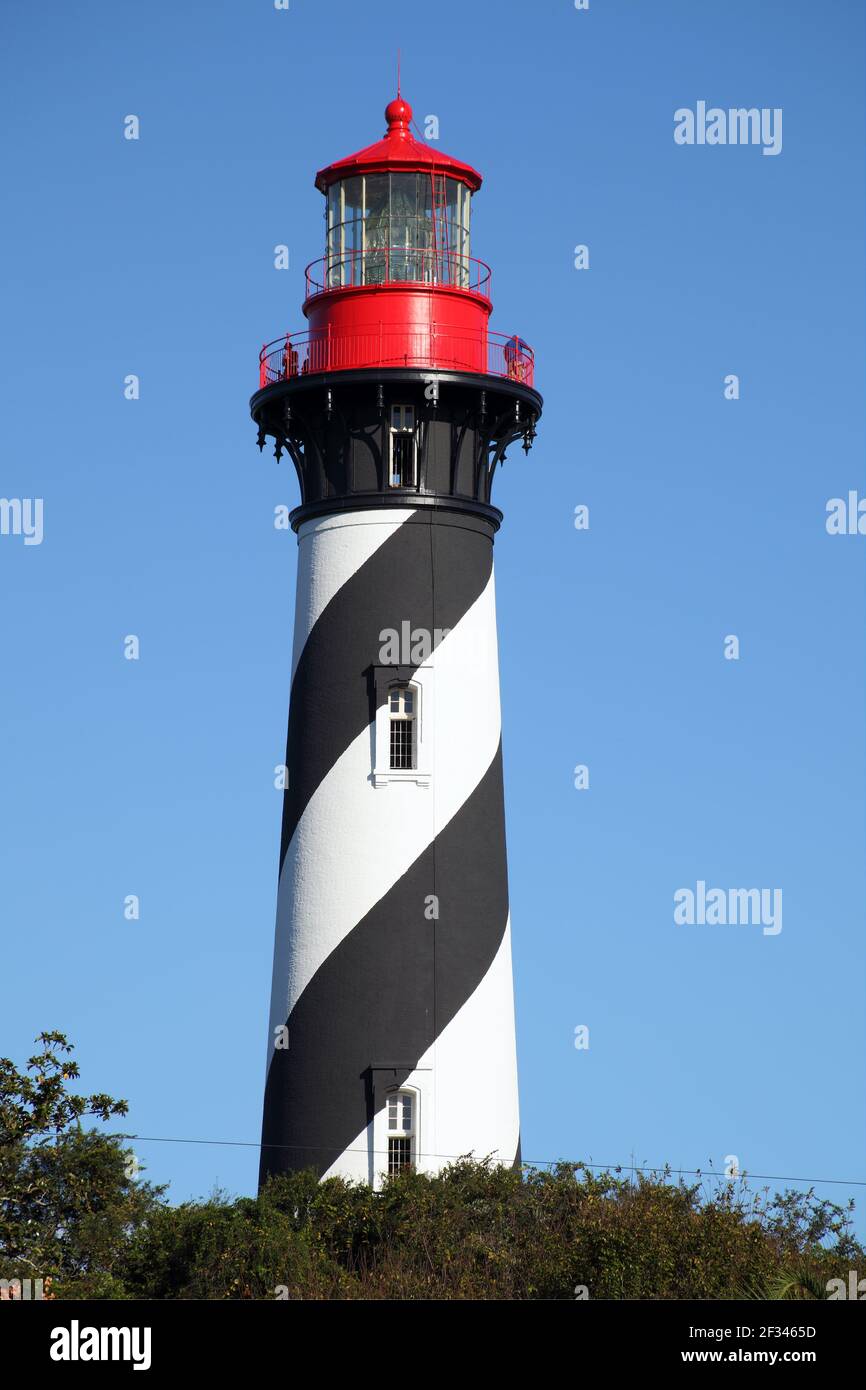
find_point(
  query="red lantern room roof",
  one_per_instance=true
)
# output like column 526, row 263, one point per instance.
column 398, row 150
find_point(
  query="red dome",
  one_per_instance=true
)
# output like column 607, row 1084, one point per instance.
column 398, row 150
column 398, row 114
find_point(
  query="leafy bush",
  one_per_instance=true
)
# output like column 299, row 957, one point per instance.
column 71, row 1211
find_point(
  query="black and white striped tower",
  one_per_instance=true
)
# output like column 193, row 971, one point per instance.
column 391, row 1037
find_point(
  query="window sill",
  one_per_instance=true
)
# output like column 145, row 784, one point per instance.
column 409, row 774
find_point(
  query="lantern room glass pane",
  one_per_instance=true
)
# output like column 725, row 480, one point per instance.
column 376, row 232
column 335, row 219
column 452, row 268
column 425, row 229
column 353, row 230
column 411, row 230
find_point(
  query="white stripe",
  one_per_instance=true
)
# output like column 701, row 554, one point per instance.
column 330, row 551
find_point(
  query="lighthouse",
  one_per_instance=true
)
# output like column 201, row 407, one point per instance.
column 391, row 1041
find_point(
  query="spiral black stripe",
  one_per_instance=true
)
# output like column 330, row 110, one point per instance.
column 320, row 1092
column 431, row 570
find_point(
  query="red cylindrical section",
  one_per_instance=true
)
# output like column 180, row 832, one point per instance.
column 400, row 325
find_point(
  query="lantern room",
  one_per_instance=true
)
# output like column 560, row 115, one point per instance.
column 408, row 227
column 397, row 285
column 397, row 213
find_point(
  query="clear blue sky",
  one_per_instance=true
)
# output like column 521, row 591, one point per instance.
column 706, row 518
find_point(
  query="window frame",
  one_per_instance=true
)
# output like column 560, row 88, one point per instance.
column 420, row 681
column 402, row 431
column 401, row 1135
column 404, row 694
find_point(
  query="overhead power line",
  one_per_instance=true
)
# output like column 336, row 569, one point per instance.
column 527, row 1162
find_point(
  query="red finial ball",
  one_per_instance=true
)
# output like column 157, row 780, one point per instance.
column 398, row 114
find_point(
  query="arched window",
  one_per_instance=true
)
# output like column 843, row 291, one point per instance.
column 402, row 714
column 402, row 749
column 402, row 1130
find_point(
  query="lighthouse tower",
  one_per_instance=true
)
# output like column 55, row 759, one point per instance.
column 391, row 1039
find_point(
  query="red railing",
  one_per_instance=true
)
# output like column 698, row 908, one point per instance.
column 398, row 265
column 395, row 345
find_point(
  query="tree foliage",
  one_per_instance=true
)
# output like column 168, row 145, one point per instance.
column 68, row 1199
column 72, row 1209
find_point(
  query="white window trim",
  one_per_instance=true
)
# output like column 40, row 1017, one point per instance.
column 421, row 774
column 417, row 1119
column 420, row 1084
